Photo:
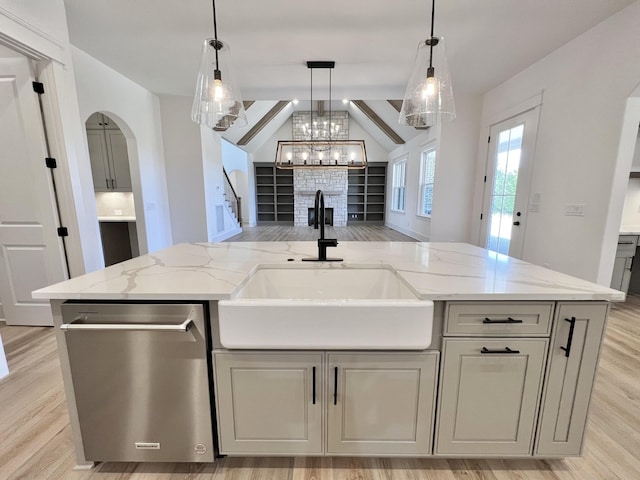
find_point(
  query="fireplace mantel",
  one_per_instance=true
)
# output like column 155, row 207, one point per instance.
column 324, row 192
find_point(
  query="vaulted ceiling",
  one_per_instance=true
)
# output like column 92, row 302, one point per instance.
column 156, row 43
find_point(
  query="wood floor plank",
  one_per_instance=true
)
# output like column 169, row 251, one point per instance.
column 35, row 437
column 358, row 233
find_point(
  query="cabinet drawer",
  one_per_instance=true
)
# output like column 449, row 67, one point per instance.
column 627, row 245
column 498, row 319
column 489, row 396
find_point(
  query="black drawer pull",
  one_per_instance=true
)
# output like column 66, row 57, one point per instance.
column 335, row 386
column 506, row 350
column 314, row 385
column 567, row 349
column 508, row 320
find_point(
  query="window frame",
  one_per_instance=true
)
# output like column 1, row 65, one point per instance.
column 431, row 148
column 395, row 184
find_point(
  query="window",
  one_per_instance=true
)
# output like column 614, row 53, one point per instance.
column 427, row 174
column 399, row 182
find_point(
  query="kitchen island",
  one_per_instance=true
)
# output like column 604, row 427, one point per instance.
column 507, row 373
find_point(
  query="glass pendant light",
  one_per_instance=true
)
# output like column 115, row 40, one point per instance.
column 217, row 102
column 429, row 96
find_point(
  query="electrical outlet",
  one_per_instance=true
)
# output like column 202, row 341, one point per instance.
column 574, row 210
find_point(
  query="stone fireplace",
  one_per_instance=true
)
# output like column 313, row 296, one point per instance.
column 332, row 181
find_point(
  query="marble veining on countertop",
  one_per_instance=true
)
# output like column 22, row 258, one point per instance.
column 435, row 271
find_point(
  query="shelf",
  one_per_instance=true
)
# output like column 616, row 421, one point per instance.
column 366, row 194
column 274, row 194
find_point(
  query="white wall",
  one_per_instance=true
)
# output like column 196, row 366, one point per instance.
column 183, row 161
column 137, row 113
column 635, row 164
column 219, row 227
column 409, row 222
column 455, row 172
column 456, row 151
column 585, row 86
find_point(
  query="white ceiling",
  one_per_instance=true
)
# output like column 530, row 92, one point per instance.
column 157, row 43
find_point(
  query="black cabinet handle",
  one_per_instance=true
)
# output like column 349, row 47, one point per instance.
column 508, row 320
column 335, row 386
column 314, row 385
column 516, row 223
column 567, row 349
column 506, row 350
column 107, row 182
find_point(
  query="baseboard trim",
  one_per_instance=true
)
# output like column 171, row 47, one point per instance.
column 228, row 234
column 406, row 231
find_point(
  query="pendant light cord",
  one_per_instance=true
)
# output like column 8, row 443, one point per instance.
column 311, row 107
column 330, row 117
column 215, row 33
column 433, row 16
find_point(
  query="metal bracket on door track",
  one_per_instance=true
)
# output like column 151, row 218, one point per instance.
column 38, row 87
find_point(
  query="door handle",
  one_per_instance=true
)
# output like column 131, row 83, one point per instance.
column 335, row 386
column 506, row 350
column 508, row 320
column 314, row 385
column 567, row 349
column 140, row 327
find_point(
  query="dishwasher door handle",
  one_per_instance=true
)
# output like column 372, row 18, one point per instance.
column 141, row 327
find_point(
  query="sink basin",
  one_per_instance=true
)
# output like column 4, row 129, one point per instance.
column 350, row 307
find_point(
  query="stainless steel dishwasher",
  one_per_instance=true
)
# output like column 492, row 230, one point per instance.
column 141, row 380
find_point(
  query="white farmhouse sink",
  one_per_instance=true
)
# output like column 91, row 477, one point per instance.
column 315, row 307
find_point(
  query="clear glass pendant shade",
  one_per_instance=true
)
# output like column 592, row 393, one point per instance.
column 429, row 97
column 217, row 102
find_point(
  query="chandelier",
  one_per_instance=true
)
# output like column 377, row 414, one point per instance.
column 319, row 145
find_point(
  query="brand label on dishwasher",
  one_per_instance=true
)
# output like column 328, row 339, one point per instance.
column 147, row 445
column 200, row 448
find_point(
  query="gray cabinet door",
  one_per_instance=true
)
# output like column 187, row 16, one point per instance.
column 119, row 157
column 383, row 405
column 570, row 378
column 265, row 403
column 619, row 269
column 99, row 160
column 489, row 401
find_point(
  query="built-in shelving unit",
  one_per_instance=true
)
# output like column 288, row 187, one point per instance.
column 274, row 194
column 366, row 194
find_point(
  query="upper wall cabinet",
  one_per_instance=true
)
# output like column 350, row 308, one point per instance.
column 108, row 154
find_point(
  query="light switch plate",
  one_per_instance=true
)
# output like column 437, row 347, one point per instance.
column 574, row 210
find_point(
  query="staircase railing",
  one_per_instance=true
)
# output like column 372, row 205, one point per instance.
column 235, row 202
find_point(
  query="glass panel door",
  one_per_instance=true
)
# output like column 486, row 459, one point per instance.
column 503, row 196
column 506, row 193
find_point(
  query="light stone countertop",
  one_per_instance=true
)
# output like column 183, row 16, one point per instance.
column 630, row 230
column 435, row 271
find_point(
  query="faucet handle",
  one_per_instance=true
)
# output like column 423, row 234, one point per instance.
column 328, row 242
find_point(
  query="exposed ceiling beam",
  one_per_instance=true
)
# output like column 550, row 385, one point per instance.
column 277, row 108
column 373, row 116
column 397, row 104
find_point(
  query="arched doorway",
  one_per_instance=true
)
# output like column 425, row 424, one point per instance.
column 115, row 204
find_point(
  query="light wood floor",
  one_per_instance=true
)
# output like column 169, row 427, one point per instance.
column 279, row 233
column 35, row 440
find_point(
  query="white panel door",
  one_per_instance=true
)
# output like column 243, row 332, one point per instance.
column 31, row 254
column 506, row 192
